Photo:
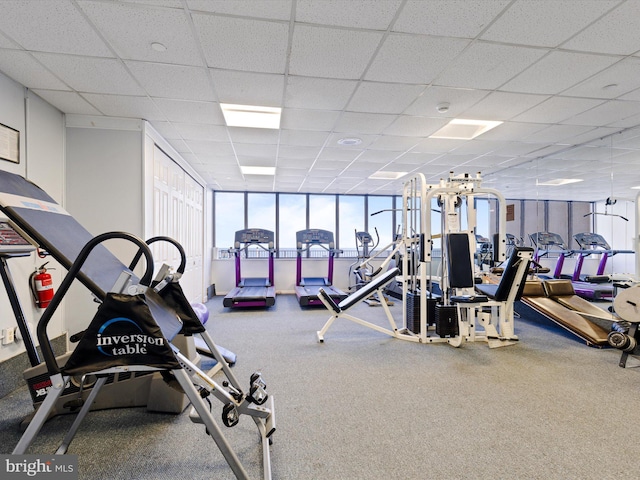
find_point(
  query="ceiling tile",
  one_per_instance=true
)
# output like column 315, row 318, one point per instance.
column 93, row 75
column 338, row 155
column 558, row 71
column 273, row 9
column 605, row 113
column 208, row 148
column 379, row 157
column 255, row 150
column 487, row 66
column 24, row 69
column 383, row 97
column 393, row 143
column 247, row 88
column 125, row 106
column 366, row 141
column 303, row 138
column 371, row 14
column 545, row 23
column 243, row 44
column 413, row 59
column 173, row 81
column 618, row 79
column 131, row 29
column 186, row 111
column 367, row 123
column 414, row 158
column 502, row 106
column 167, row 130
column 318, row 93
column 319, row 120
column 68, row 102
column 264, row 136
column 512, row 131
column 556, row 109
column 158, row 3
column 297, row 152
column 557, row 133
column 60, row 28
column 5, row 42
column 458, row 100
column 191, row 131
column 220, row 152
column 409, row 126
column 600, row 37
column 330, row 52
column 435, row 17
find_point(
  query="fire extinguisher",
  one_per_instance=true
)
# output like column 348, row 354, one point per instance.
column 41, row 286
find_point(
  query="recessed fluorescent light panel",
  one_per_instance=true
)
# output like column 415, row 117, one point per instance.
column 463, row 129
column 380, row 175
column 559, row 181
column 251, row 116
column 248, row 170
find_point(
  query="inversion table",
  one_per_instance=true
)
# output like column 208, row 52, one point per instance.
column 155, row 323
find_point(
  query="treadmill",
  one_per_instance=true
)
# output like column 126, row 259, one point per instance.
column 594, row 243
column 252, row 291
column 548, row 243
column 307, row 288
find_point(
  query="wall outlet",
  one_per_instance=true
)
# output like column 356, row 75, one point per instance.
column 8, row 335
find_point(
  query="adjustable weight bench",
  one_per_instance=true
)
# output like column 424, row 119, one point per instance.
column 121, row 340
column 339, row 310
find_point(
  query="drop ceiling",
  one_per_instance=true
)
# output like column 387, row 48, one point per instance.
column 562, row 76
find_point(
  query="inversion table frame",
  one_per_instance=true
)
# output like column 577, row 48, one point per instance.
column 25, row 205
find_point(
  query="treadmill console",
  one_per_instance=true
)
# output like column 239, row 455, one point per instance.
column 547, row 239
column 11, row 241
column 254, row 235
column 591, row 240
column 314, row 236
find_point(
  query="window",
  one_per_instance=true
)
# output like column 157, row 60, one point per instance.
column 261, row 211
column 292, row 218
column 351, row 218
column 383, row 221
column 322, row 212
column 229, row 217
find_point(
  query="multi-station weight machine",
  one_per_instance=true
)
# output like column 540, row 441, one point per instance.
column 464, row 306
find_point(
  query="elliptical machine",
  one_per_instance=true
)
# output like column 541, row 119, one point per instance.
column 361, row 271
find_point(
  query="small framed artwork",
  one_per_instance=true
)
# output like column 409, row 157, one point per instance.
column 9, row 144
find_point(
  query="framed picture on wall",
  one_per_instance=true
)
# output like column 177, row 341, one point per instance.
column 9, row 144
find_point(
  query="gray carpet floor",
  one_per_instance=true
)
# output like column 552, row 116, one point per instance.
column 366, row 406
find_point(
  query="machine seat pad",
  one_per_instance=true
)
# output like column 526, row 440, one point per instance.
column 559, row 288
column 533, row 288
column 469, row 298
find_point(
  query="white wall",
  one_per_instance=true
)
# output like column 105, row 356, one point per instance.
column 41, row 129
column 104, row 193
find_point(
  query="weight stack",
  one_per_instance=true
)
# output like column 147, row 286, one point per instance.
column 413, row 311
column 446, row 320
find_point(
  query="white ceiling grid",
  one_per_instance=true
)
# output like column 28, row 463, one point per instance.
column 563, row 76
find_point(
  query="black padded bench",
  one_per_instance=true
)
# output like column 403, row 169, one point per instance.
column 362, row 293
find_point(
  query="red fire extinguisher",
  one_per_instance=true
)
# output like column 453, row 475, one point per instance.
column 41, row 287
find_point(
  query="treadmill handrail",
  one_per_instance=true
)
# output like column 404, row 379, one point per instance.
column 45, row 344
